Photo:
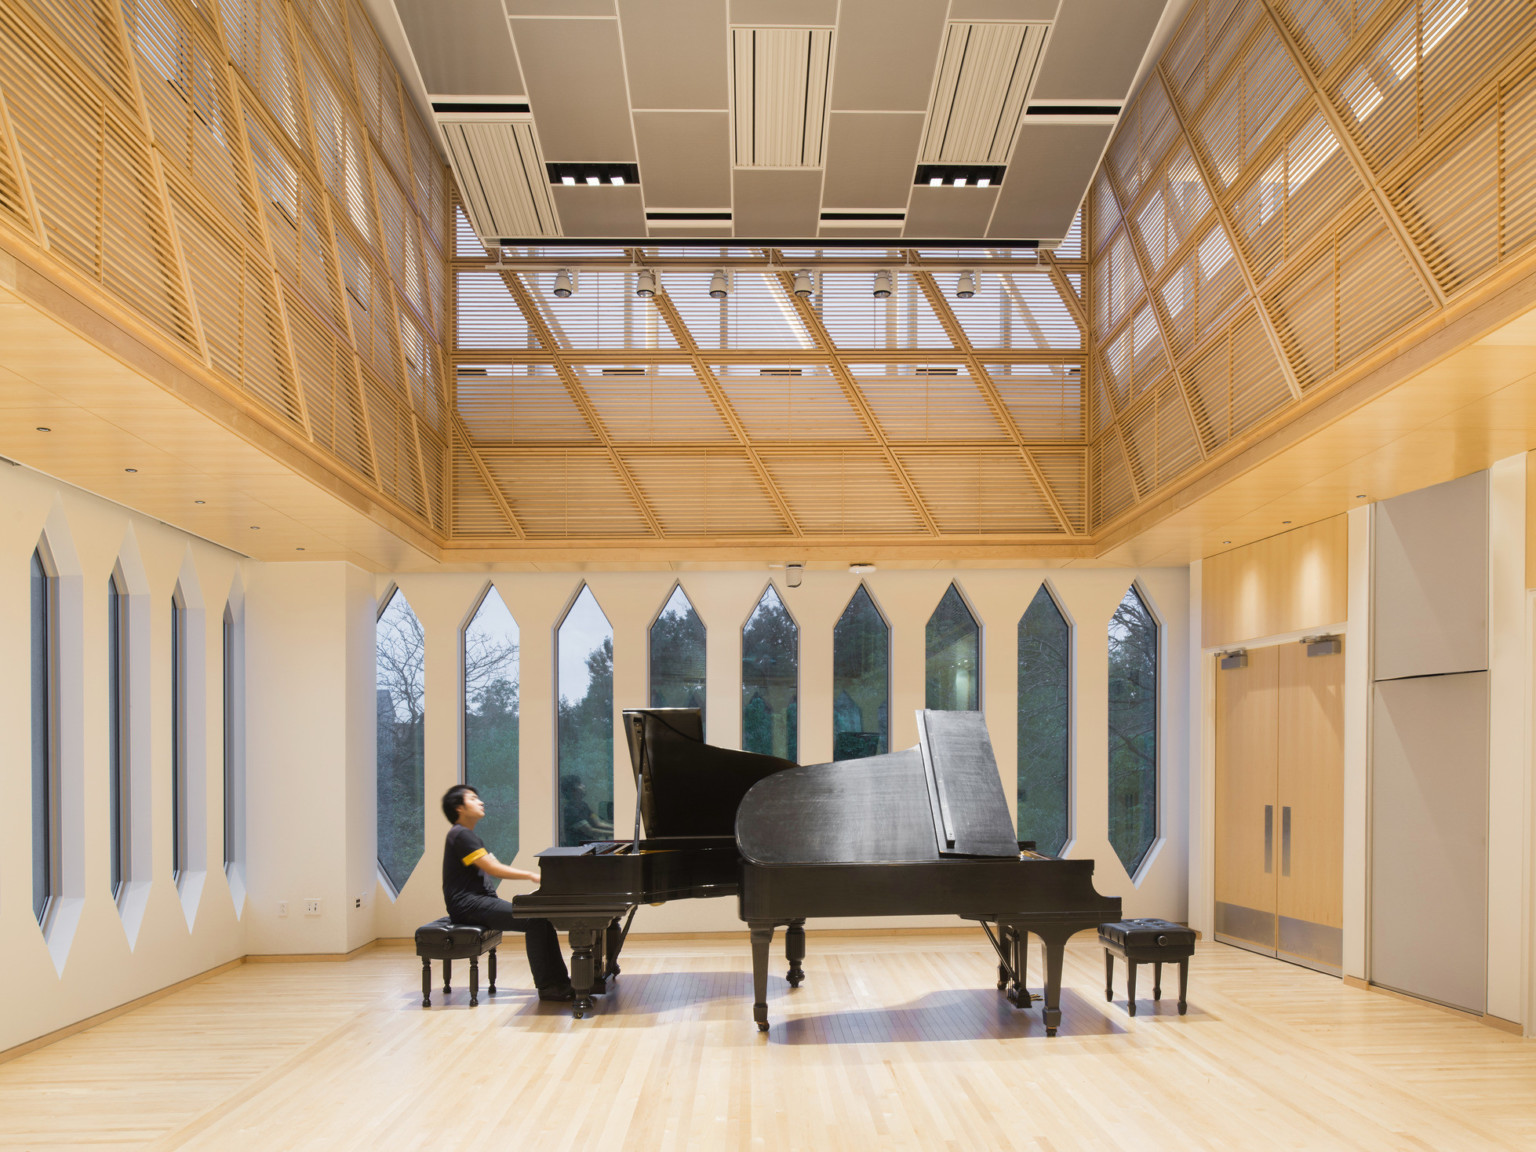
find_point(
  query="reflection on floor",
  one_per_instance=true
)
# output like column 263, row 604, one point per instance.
column 892, row 1042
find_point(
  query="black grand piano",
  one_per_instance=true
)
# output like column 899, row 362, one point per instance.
column 688, row 795
column 918, row 832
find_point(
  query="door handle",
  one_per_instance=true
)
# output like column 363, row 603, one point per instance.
column 1269, row 838
column 1285, row 840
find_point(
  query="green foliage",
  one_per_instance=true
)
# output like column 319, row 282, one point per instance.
column 1132, row 730
column 770, row 680
column 585, row 734
column 401, row 726
column 491, row 722
column 1044, row 723
column 953, row 645
column 677, row 656
column 860, row 680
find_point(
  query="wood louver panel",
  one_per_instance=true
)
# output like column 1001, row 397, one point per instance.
column 1116, row 285
column 1111, row 490
column 1106, row 209
column 565, row 494
column 378, row 92
column 423, row 374
column 237, row 310
column 1174, row 208
column 1160, row 439
column 1134, row 358
column 434, row 463
column 1235, row 381
column 1325, row 29
column 519, row 404
column 603, row 313
column 429, row 182
column 256, row 35
column 1421, row 63
column 1021, row 310
column 1247, row 104
column 927, row 404
column 1044, row 401
column 1200, row 291
column 294, row 211
column 1211, row 35
column 186, row 90
column 980, row 493
column 394, row 446
column 855, row 318
column 790, row 405
column 340, row 151
column 13, row 201
column 369, row 307
column 327, row 23
column 842, row 493
column 91, row 29
column 706, row 492
column 327, row 375
column 476, row 512
column 1066, row 471
column 660, row 403
column 1294, row 195
column 486, row 316
column 756, row 314
column 1147, row 129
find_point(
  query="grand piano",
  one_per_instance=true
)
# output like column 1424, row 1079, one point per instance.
column 688, row 795
column 920, row 832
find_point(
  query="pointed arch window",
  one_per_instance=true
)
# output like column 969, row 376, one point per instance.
column 233, row 639
column 677, row 655
column 770, row 679
column 861, row 680
column 1133, row 675
column 953, row 656
column 180, row 745
column 401, row 699
column 119, row 786
column 1045, row 717
column 46, row 858
column 489, row 662
column 584, row 675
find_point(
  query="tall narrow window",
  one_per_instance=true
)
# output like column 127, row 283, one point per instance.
column 770, row 680
column 1045, row 666
column 584, row 673
column 401, row 698
column 490, row 665
column 1132, row 730
column 954, row 656
column 179, row 748
column 861, row 680
column 234, row 740
column 45, row 745
column 677, row 655
column 120, row 794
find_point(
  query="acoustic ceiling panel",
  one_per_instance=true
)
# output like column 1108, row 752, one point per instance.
column 462, row 49
column 984, row 80
column 780, row 78
column 1097, row 46
column 673, row 55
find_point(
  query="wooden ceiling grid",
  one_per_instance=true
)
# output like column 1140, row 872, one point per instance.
column 1352, row 181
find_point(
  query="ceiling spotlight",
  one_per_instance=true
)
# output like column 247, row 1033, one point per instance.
column 967, row 286
column 720, row 285
column 645, row 284
column 804, row 288
column 883, row 284
column 199, row 501
column 564, row 284
column 44, row 428
column 130, row 469
column 860, row 569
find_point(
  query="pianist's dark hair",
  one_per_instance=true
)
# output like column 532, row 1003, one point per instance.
column 453, row 800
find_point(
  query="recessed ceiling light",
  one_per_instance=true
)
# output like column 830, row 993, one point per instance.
column 1362, row 496
column 1285, row 521
column 568, row 180
column 594, row 179
column 860, row 569
column 199, row 501
column 615, row 179
column 1226, row 541
column 936, row 182
column 300, row 549
column 130, row 469
column 984, row 182
column 255, row 527
column 40, row 428
column 959, row 181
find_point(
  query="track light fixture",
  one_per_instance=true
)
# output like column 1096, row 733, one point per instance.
column 564, row 284
column 804, row 287
column 883, row 284
column 645, row 284
column 967, row 286
column 719, row 285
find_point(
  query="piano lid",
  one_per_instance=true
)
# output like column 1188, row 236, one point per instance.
column 943, row 798
column 687, row 787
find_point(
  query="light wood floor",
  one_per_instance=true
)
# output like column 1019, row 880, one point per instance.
column 898, row 1042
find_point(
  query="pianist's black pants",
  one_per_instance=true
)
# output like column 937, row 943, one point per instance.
column 541, row 943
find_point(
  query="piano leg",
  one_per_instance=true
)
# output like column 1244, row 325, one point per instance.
column 794, row 951
column 599, row 963
column 1005, row 935
column 1019, row 995
column 762, row 940
column 1055, row 940
column 583, row 943
column 614, row 941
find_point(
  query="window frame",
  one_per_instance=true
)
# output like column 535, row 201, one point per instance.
column 1070, row 834
column 650, row 650
column 1156, row 792
column 119, row 739
column 981, row 644
column 889, row 652
column 742, row 646
column 46, row 777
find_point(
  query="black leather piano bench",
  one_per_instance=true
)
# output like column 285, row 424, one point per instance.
column 1157, row 942
column 446, row 941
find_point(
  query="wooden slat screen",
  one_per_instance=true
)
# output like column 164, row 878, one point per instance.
column 706, row 492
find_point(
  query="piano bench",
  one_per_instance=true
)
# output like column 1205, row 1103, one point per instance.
column 446, row 941
column 1146, row 941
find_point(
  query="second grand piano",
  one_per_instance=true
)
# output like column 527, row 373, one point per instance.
column 923, row 831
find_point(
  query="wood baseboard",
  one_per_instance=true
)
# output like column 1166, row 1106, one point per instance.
column 102, row 1017
column 311, row 957
column 1497, row 1023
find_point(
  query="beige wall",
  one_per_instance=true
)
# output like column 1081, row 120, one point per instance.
column 1285, row 583
column 96, row 956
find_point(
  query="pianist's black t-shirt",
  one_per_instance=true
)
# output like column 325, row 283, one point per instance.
column 461, row 879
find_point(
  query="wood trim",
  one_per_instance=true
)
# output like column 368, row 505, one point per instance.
column 310, row 957
column 112, row 1013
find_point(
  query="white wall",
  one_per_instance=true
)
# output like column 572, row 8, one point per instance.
column 724, row 599
column 96, row 955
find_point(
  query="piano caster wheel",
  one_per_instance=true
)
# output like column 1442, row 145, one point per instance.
column 1050, row 1031
column 576, row 1013
column 762, row 1025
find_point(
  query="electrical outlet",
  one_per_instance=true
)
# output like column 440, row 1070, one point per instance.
column 282, row 907
column 311, row 907
column 358, row 903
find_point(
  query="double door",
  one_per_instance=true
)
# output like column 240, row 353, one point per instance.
column 1279, row 804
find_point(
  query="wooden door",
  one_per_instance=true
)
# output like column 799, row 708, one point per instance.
column 1310, row 820
column 1246, row 791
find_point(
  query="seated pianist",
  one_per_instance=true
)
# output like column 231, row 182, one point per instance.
column 470, row 872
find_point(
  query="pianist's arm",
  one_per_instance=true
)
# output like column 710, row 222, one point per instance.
column 494, row 867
